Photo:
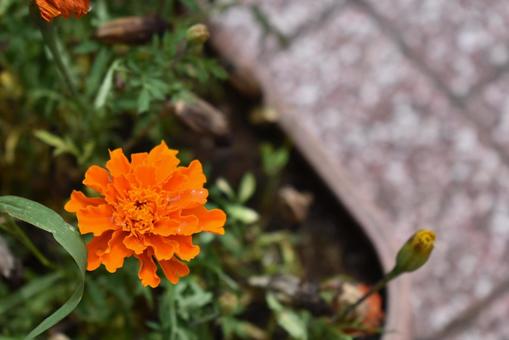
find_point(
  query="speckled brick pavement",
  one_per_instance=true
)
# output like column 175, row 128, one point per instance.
column 409, row 101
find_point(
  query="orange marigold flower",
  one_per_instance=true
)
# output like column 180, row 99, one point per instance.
column 371, row 309
column 150, row 208
column 54, row 8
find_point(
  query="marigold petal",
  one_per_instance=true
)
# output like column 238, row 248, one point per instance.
column 118, row 164
column 134, row 243
column 148, row 270
column 174, row 269
column 97, row 178
column 114, row 255
column 163, row 247
column 73, row 7
column 176, row 181
column 95, row 219
column 79, row 201
column 95, row 249
column 118, row 189
column 186, row 178
column 209, row 220
column 188, row 199
column 145, row 176
column 164, row 160
column 162, row 153
column 189, row 225
column 166, row 227
column 177, row 225
column 186, row 250
column 195, row 176
column 138, row 159
column 48, row 9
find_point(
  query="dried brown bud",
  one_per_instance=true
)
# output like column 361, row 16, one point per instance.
column 295, row 203
column 130, row 30
column 202, row 117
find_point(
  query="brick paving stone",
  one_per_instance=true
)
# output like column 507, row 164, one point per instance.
column 494, row 319
column 405, row 147
column 289, row 15
column 490, row 106
column 237, row 25
column 491, row 317
column 463, row 41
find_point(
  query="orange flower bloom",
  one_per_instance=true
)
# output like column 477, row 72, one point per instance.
column 54, row 8
column 371, row 309
column 150, row 208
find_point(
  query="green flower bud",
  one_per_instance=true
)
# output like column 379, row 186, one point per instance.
column 229, row 303
column 197, row 34
column 416, row 251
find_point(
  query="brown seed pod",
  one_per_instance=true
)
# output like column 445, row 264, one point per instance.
column 130, row 30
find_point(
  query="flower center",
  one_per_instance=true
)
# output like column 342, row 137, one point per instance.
column 424, row 241
column 137, row 213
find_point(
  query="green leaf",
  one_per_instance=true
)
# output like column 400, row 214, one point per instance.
column 243, row 214
column 97, row 72
column 289, row 320
column 46, row 219
column 61, row 145
column 225, row 187
column 106, row 86
column 292, row 323
column 247, row 187
column 50, row 139
column 144, row 100
column 273, row 160
column 273, row 303
column 193, row 301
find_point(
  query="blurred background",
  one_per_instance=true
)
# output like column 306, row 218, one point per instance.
column 402, row 107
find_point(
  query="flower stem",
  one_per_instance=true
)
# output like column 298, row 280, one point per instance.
column 50, row 38
column 379, row 285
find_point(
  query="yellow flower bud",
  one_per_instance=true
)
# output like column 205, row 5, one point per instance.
column 416, row 251
column 9, row 85
column 197, row 34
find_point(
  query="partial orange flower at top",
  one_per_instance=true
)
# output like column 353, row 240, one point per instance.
column 51, row 9
column 150, row 208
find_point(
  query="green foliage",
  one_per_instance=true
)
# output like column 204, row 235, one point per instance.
column 247, row 187
column 273, row 160
column 290, row 321
column 67, row 236
column 234, row 203
column 115, row 84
